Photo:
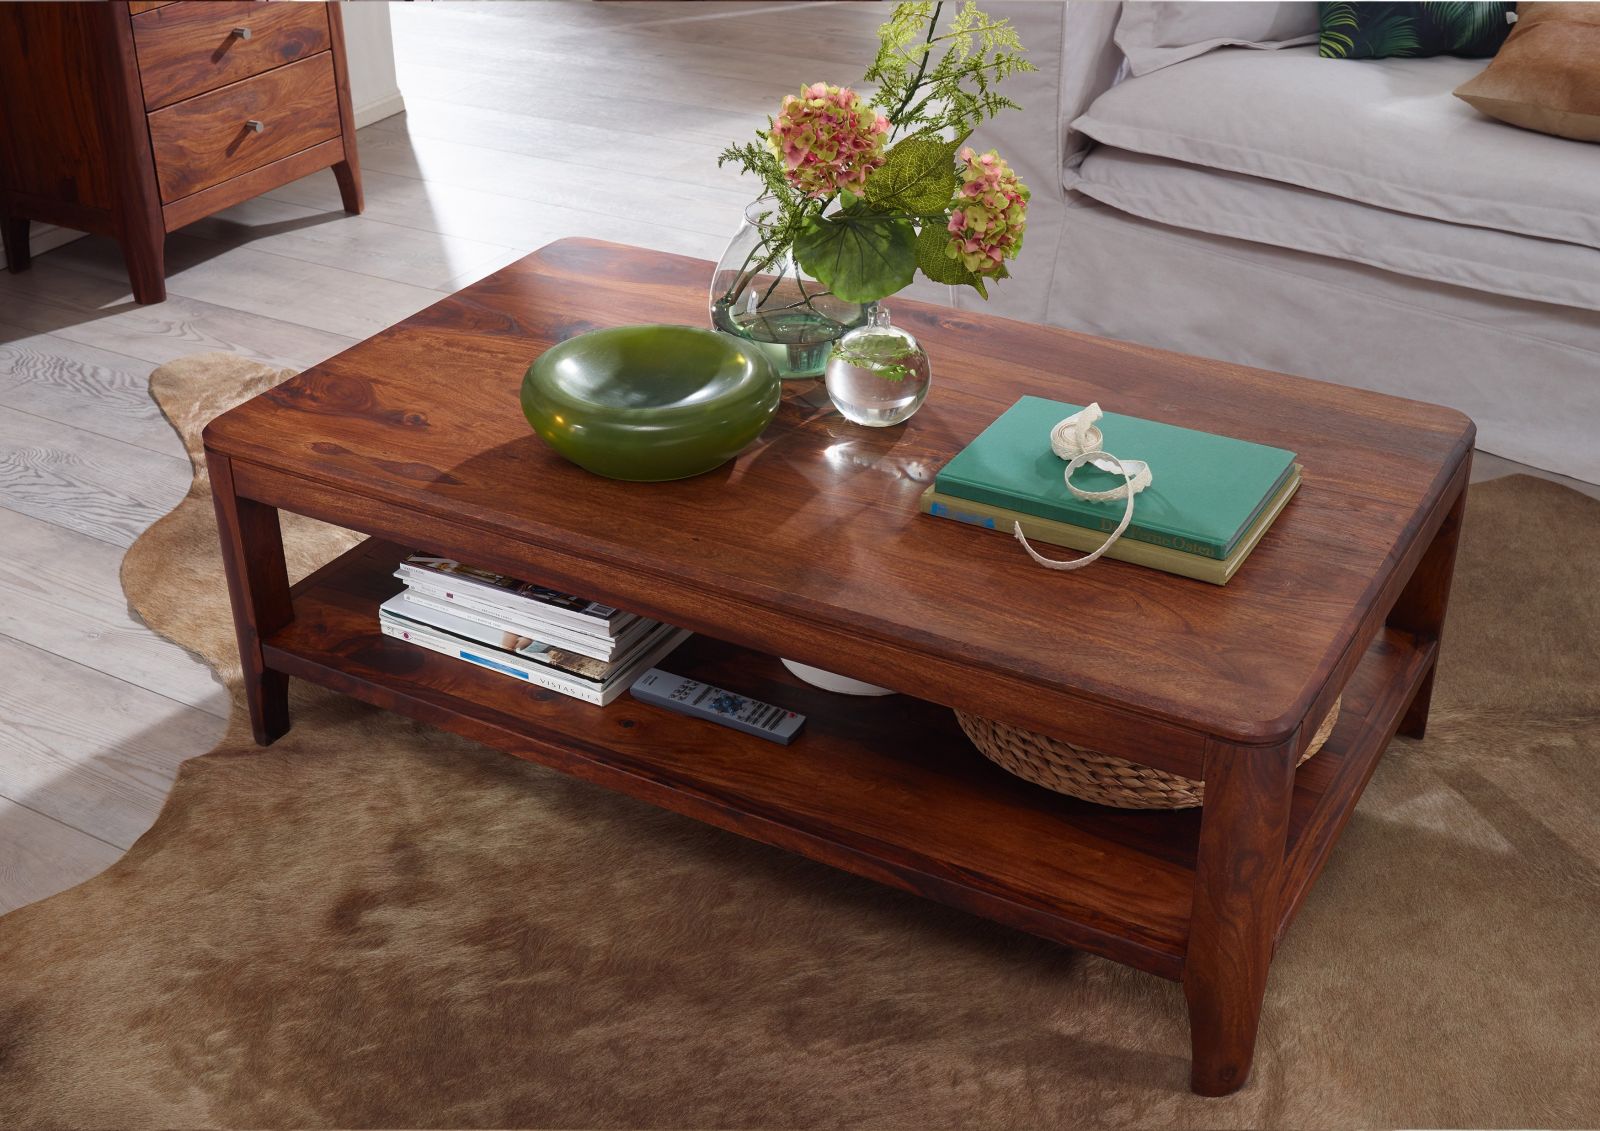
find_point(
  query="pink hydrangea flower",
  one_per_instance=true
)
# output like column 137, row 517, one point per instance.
column 827, row 139
column 990, row 215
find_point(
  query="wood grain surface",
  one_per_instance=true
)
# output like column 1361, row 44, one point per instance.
column 346, row 172
column 336, row 301
column 229, row 293
column 103, row 768
column 188, row 49
column 40, row 856
column 1234, row 918
column 52, row 132
column 69, row 606
column 110, row 111
column 887, row 788
column 197, row 205
column 71, row 306
column 204, row 140
column 86, row 482
column 94, row 390
column 816, row 524
column 809, row 545
column 133, row 166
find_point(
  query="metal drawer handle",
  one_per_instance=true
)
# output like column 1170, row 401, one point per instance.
column 254, row 126
column 242, row 32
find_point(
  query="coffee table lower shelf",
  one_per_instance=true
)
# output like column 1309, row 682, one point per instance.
column 886, row 788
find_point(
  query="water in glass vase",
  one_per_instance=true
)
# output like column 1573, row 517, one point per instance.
column 760, row 293
column 796, row 338
column 878, row 375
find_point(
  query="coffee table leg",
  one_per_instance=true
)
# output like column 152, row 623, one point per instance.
column 1236, row 902
column 1421, row 606
column 258, row 587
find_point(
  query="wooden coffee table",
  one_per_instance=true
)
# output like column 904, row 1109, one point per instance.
column 810, row 546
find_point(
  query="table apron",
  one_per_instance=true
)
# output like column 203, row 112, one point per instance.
column 1378, row 611
column 1120, row 732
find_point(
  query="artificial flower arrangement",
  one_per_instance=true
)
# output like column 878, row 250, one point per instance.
column 865, row 192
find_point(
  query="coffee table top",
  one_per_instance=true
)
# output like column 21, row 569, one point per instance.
column 810, row 544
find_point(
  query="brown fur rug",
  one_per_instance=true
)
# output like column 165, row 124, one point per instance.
column 376, row 924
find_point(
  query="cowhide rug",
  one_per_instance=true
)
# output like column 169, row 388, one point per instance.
column 373, row 924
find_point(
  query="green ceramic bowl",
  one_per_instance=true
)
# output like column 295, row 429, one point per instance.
column 649, row 403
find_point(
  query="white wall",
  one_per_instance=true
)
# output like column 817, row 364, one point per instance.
column 369, row 47
column 374, row 91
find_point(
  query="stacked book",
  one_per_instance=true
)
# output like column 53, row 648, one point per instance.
column 554, row 640
column 1211, row 498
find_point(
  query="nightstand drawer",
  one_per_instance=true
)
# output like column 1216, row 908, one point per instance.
column 188, row 49
column 207, row 140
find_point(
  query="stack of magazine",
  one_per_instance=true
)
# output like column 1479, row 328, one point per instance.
column 555, row 640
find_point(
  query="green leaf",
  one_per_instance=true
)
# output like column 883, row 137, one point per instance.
column 917, row 175
column 1388, row 35
column 941, row 268
column 858, row 254
column 1337, row 44
column 1466, row 26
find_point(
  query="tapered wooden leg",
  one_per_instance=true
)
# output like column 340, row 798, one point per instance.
column 1234, row 922
column 348, row 171
column 1421, row 606
column 145, row 250
column 14, row 237
column 258, row 587
column 348, row 174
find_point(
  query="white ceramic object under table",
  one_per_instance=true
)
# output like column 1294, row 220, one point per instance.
column 829, row 681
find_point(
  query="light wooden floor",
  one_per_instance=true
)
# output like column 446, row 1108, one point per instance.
column 525, row 123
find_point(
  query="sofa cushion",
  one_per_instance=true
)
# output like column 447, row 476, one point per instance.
column 1271, row 212
column 1387, row 133
column 1547, row 76
column 1155, row 35
column 1371, row 30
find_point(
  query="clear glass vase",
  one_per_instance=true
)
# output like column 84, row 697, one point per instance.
column 760, row 293
column 878, row 375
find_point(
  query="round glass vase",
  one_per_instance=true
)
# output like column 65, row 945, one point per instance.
column 878, row 375
column 760, row 293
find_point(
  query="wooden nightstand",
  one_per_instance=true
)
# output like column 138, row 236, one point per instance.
column 134, row 119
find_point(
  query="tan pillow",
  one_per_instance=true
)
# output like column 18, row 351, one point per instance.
column 1546, row 76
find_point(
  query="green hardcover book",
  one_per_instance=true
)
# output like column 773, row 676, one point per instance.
column 1206, row 490
column 1044, row 532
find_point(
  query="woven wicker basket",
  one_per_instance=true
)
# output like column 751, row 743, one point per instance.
column 1092, row 776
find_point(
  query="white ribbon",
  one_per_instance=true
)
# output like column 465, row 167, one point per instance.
column 1078, row 441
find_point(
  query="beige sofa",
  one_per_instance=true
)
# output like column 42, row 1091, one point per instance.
column 1343, row 219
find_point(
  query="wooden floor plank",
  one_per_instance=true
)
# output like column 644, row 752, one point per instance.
column 62, row 596
column 638, row 116
column 330, row 299
column 655, row 54
column 292, row 281
column 334, row 238
column 40, row 856
column 708, row 209
column 100, row 487
column 89, row 750
column 477, row 214
column 92, row 310
column 96, row 391
column 597, row 155
column 454, row 191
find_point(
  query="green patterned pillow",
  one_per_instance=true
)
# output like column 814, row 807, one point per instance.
column 1379, row 31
